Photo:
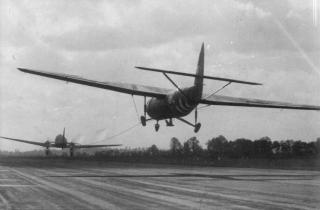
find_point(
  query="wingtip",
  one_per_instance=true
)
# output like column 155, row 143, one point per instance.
column 22, row 69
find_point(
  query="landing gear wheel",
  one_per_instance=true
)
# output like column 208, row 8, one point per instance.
column 71, row 153
column 197, row 127
column 47, row 152
column 156, row 126
column 143, row 120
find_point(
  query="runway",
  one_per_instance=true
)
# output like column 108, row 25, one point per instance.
column 78, row 184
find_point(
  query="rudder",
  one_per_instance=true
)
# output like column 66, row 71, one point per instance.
column 198, row 81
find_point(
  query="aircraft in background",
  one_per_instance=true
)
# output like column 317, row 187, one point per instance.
column 61, row 142
column 168, row 104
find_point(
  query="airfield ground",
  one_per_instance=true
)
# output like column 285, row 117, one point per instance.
column 78, row 184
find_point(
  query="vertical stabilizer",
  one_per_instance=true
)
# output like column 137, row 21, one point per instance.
column 198, row 81
column 64, row 129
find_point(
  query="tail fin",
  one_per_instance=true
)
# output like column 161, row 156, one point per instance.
column 64, row 129
column 198, row 81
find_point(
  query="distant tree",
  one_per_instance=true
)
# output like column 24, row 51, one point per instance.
column 192, row 147
column 153, row 150
column 275, row 147
column 311, row 149
column 262, row 147
column 176, row 147
column 286, row 148
column 300, row 148
column 217, row 147
column 242, row 148
column 317, row 145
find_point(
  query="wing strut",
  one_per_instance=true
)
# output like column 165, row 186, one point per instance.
column 215, row 92
column 135, row 106
column 174, row 84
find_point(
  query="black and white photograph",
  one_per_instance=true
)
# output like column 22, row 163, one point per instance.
column 159, row 104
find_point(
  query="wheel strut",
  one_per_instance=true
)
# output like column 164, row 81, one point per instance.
column 196, row 126
column 71, row 152
column 169, row 122
column 47, row 151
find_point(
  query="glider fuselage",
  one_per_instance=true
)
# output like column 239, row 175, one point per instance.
column 177, row 104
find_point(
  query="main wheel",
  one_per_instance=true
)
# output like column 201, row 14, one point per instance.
column 197, row 127
column 156, row 126
column 71, row 152
column 47, row 152
column 143, row 120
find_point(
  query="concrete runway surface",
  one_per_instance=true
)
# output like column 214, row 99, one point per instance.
column 68, row 184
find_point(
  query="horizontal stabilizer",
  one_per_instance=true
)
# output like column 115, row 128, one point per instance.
column 194, row 75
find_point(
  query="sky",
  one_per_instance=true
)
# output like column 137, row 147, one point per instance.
column 269, row 41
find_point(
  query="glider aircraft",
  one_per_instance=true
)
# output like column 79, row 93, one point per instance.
column 168, row 104
column 60, row 142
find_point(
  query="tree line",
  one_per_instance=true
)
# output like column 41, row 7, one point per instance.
column 219, row 148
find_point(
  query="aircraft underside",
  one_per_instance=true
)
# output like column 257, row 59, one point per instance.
column 175, row 105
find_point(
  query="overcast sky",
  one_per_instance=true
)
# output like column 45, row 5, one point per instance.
column 275, row 42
